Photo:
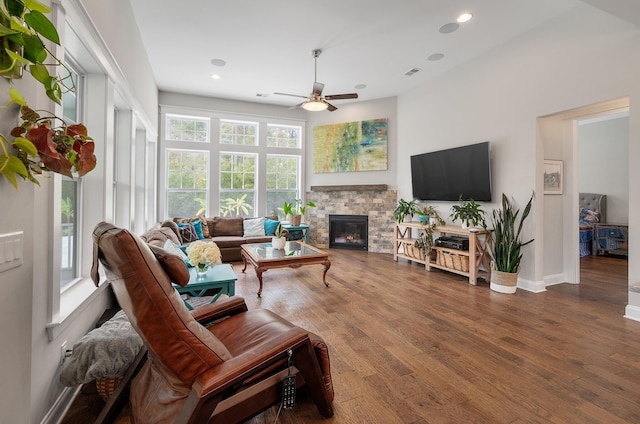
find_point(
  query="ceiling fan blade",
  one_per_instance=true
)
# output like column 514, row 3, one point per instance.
column 317, row 88
column 297, row 106
column 330, row 107
column 342, row 96
column 292, row 95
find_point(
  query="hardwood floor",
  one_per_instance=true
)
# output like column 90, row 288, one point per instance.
column 409, row 346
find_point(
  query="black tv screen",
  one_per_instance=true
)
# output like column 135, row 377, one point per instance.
column 450, row 174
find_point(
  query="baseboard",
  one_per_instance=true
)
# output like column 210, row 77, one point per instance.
column 632, row 312
column 532, row 286
column 61, row 405
column 551, row 280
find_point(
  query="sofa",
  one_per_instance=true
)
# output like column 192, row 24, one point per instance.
column 228, row 233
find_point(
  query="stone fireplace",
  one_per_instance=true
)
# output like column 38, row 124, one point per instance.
column 375, row 202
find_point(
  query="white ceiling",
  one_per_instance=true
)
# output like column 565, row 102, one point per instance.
column 267, row 44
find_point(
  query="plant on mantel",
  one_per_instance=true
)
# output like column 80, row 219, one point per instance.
column 42, row 141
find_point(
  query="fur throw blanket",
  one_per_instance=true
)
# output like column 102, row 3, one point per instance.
column 104, row 352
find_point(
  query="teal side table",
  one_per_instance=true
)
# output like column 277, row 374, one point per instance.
column 303, row 227
column 220, row 276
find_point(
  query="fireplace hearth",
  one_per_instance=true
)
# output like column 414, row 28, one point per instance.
column 348, row 232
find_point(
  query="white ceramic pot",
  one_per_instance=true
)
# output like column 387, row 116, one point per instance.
column 278, row 242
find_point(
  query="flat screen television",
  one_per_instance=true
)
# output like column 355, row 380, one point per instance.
column 449, row 174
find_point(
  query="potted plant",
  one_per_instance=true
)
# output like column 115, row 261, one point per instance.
column 424, row 241
column 469, row 213
column 295, row 210
column 41, row 143
column 279, row 240
column 403, row 209
column 506, row 252
column 430, row 214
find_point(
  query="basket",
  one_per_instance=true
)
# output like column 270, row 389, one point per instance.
column 453, row 261
column 106, row 386
column 413, row 252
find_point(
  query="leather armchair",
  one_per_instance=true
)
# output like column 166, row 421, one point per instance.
column 218, row 363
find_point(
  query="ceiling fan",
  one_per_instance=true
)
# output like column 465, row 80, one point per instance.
column 316, row 101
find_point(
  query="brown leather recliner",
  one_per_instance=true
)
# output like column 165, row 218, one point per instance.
column 218, row 363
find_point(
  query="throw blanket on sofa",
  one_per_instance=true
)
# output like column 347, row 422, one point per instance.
column 104, row 352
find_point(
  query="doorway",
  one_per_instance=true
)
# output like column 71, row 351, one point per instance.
column 559, row 139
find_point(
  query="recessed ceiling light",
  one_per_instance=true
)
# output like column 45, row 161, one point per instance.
column 465, row 17
column 215, row 77
column 360, row 86
column 448, row 28
column 218, row 62
column 435, row 56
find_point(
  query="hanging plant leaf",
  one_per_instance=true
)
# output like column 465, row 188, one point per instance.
column 16, row 97
column 42, row 25
column 26, row 145
column 34, row 50
column 36, row 5
column 15, row 7
column 40, row 73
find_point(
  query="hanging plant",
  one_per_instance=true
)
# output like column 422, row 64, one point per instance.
column 42, row 143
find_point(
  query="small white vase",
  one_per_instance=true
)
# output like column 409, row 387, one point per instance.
column 278, row 242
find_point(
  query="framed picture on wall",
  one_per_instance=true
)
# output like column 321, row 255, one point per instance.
column 553, row 177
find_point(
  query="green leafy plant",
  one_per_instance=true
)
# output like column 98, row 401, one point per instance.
column 279, row 231
column 404, row 208
column 431, row 212
column 39, row 145
column 236, row 207
column 425, row 238
column 296, row 207
column 469, row 213
column 507, row 247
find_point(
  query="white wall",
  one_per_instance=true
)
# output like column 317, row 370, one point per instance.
column 581, row 58
column 603, row 165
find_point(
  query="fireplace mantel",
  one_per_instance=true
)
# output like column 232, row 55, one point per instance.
column 357, row 187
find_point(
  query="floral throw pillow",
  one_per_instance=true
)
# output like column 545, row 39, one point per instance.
column 187, row 232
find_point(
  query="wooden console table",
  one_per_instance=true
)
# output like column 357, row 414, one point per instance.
column 478, row 254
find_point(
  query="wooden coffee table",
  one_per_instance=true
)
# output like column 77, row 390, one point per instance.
column 295, row 254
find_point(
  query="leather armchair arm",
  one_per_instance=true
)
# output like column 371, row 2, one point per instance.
column 222, row 308
column 242, row 367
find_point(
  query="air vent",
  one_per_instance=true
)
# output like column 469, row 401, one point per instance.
column 411, row 71
column 262, row 95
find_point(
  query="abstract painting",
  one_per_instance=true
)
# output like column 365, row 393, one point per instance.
column 350, row 146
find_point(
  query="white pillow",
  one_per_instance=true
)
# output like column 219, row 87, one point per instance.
column 253, row 227
column 171, row 247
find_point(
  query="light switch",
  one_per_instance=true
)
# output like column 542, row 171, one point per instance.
column 11, row 250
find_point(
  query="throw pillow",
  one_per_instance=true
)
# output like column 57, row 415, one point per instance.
column 174, row 227
column 187, row 232
column 205, row 227
column 197, row 224
column 270, row 226
column 253, row 227
column 173, row 248
column 172, row 265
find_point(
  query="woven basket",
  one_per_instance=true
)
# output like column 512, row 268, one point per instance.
column 413, row 252
column 106, row 386
column 453, row 261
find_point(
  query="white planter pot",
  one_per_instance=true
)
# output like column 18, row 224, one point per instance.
column 433, row 220
column 278, row 242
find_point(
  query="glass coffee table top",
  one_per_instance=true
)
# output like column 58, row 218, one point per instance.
column 292, row 249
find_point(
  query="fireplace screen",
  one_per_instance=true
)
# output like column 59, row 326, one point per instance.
column 348, row 232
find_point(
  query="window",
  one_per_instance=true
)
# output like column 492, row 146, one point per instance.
column 236, row 132
column 70, row 210
column 253, row 163
column 283, row 175
column 187, row 128
column 187, row 182
column 237, row 184
column 283, row 136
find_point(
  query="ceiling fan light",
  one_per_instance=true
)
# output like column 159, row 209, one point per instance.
column 314, row 105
